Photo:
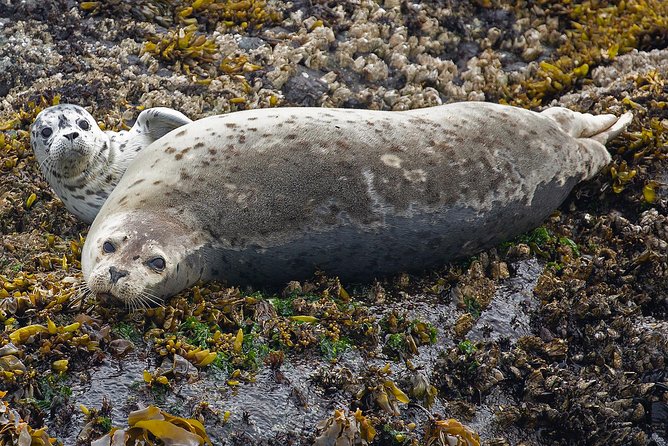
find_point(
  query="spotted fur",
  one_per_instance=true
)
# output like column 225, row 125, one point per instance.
column 82, row 163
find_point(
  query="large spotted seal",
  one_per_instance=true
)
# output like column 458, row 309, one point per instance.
column 263, row 196
column 82, row 163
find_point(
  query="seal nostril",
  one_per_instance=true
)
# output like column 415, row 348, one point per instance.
column 116, row 274
column 72, row 136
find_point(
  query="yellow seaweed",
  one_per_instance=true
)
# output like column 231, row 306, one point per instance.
column 238, row 341
column 22, row 334
column 307, row 319
column 397, row 392
column 169, row 433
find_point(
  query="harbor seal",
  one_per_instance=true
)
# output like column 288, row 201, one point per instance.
column 83, row 164
column 264, row 196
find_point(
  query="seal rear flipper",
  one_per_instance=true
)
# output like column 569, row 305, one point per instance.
column 591, row 132
column 601, row 128
column 615, row 129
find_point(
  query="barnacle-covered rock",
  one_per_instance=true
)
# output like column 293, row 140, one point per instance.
column 593, row 364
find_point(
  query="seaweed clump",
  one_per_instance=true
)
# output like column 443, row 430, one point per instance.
column 186, row 47
column 449, row 432
column 636, row 162
column 345, row 428
column 243, row 14
column 15, row 431
column 597, row 32
column 150, row 425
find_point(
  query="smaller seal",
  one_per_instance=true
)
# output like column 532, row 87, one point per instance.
column 82, row 163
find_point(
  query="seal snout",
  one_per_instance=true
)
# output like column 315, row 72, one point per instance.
column 72, row 136
column 116, row 274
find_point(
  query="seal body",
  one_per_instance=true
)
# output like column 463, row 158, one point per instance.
column 82, row 163
column 265, row 196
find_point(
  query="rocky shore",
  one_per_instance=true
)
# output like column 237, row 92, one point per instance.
column 557, row 338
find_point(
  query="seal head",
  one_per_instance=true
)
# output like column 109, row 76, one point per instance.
column 141, row 267
column 66, row 140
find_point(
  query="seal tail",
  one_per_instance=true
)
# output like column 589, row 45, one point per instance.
column 592, row 133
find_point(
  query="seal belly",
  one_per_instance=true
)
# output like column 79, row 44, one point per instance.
column 410, row 244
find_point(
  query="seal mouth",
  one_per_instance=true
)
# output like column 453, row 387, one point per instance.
column 108, row 299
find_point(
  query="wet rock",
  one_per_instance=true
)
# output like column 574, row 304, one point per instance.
column 120, row 347
column 250, row 43
column 305, row 87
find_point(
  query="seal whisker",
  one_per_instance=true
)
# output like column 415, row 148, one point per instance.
column 131, row 305
column 151, row 298
column 44, row 161
column 80, row 296
column 79, row 286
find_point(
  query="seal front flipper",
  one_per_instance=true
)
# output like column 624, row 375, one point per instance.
column 156, row 122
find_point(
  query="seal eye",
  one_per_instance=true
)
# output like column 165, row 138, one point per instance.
column 83, row 124
column 157, row 263
column 46, row 132
column 108, row 247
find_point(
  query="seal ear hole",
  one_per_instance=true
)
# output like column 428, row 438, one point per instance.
column 46, row 132
column 157, row 263
column 108, row 247
column 83, row 124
